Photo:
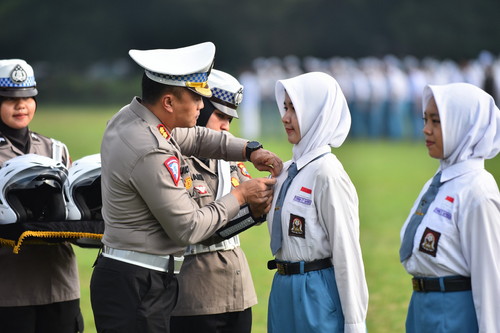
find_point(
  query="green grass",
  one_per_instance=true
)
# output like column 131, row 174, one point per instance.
column 388, row 176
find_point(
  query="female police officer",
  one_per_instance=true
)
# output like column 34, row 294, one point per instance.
column 39, row 286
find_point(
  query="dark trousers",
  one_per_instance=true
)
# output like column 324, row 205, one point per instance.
column 129, row 298
column 229, row 322
column 61, row 317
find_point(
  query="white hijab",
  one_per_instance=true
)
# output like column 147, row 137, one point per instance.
column 321, row 109
column 470, row 122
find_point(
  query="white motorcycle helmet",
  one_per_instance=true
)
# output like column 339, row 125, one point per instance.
column 31, row 190
column 83, row 189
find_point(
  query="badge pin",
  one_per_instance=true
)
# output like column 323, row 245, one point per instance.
column 18, row 75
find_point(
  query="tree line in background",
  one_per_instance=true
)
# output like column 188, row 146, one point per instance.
column 72, row 43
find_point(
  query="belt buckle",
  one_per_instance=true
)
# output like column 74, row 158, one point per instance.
column 281, row 268
column 418, row 284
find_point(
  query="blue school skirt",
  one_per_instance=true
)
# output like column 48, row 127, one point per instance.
column 305, row 303
column 441, row 312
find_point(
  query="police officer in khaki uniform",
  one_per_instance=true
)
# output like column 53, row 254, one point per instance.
column 39, row 287
column 149, row 214
column 216, row 290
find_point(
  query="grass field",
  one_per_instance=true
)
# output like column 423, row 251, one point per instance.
column 388, row 176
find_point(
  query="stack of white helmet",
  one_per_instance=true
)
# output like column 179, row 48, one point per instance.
column 35, row 188
column 83, row 189
column 31, row 189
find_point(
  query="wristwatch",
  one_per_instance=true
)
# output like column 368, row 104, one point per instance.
column 251, row 147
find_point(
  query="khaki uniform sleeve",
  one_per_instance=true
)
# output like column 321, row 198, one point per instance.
column 169, row 202
column 207, row 143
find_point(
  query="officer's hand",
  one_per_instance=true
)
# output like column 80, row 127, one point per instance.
column 255, row 192
column 259, row 210
column 265, row 160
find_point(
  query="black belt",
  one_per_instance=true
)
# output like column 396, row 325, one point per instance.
column 452, row 283
column 290, row 268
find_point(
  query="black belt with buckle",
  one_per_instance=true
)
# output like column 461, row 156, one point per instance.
column 290, row 268
column 444, row 284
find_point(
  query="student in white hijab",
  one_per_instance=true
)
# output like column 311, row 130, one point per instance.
column 453, row 255
column 320, row 284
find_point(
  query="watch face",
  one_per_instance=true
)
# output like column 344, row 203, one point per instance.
column 254, row 145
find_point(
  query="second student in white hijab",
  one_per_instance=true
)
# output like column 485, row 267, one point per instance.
column 320, row 281
column 451, row 240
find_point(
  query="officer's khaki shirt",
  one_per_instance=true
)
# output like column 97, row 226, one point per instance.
column 39, row 274
column 144, row 209
column 214, row 282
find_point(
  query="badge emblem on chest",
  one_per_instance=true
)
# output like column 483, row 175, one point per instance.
column 297, row 226
column 429, row 242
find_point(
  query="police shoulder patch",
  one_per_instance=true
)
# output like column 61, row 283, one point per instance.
column 429, row 242
column 297, row 226
column 172, row 165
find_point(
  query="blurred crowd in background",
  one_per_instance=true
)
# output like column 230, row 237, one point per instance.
column 384, row 93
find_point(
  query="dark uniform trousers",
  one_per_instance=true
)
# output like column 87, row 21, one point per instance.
column 138, row 302
column 228, row 322
column 60, row 317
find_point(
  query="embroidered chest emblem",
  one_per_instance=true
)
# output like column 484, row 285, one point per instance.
column 188, row 182
column 297, row 226
column 244, row 170
column 201, row 189
column 235, row 181
column 429, row 242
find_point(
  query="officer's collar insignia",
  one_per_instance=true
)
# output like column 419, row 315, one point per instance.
column 34, row 136
column 172, row 165
column 18, row 75
column 163, row 131
column 3, row 141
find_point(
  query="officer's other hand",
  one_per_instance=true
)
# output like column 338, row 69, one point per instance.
column 265, row 160
column 261, row 209
column 255, row 192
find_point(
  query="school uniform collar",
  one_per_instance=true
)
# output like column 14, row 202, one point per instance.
column 311, row 155
column 461, row 168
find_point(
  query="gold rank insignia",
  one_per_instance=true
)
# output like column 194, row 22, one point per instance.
column 235, row 182
column 243, row 170
column 163, row 131
column 188, row 182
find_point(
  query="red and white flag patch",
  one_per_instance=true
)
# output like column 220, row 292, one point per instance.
column 172, row 164
column 306, row 190
column 201, row 189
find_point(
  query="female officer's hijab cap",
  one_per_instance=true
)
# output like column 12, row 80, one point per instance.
column 470, row 122
column 321, row 109
column 17, row 79
column 187, row 67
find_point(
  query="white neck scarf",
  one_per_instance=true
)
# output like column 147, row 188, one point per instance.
column 321, row 109
column 470, row 122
